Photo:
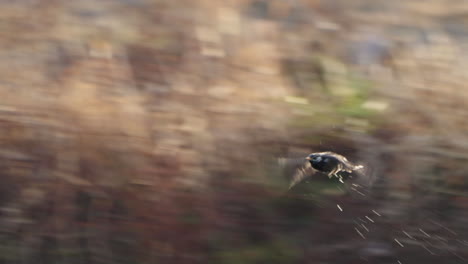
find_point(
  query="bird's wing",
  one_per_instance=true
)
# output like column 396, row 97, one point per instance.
column 301, row 173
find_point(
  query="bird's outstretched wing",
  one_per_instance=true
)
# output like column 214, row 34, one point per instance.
column 301, row 168
column 301, row 173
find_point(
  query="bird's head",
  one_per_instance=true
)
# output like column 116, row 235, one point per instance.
column 314, row 158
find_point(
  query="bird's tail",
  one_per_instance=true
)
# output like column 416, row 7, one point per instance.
column 358, row 167
column 365, row 174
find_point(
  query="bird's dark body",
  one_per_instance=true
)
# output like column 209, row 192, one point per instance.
column 325, row 166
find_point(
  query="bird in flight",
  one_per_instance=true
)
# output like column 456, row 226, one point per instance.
column 329, row 163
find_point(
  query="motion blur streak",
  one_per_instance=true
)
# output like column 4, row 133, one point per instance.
column 148, row 131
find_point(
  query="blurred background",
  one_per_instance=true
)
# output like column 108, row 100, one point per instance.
column 148, row 131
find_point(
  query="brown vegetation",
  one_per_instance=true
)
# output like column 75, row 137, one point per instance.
column 147, row 131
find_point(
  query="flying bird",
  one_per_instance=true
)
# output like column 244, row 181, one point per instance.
column 329, row 163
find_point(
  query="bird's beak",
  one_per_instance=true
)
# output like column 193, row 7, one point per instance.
column 308, row 158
